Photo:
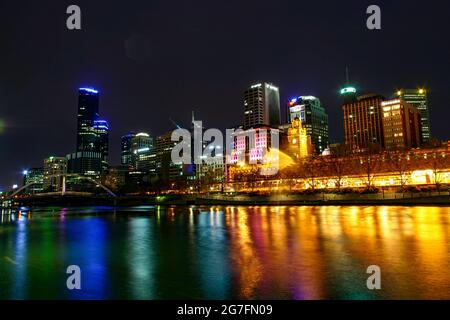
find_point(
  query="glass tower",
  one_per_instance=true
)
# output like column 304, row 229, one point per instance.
column 126, row 157
column 91, row 156
column 142, row 151
column 101, row 128
column 88, row 102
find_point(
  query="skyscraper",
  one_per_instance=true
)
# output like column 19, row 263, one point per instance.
column 91, row 156
column 88, row 108
column 313, row 117
column 401, row 125
column 126, row 157
column 101, row 128
column 363, row 124
column 143, row 156
column 419, row 99
column 138, row 151
column 261, row 106
column 165, row 168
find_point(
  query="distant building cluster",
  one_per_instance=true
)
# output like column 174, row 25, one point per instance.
column 372, row 123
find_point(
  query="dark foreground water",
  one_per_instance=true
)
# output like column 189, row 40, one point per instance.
column 226, row 252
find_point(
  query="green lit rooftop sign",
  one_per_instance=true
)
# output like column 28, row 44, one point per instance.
column 348, row 90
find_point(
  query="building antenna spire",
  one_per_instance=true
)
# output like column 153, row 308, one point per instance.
column 347, row 77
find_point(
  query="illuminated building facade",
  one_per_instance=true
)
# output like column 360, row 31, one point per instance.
column 167, row 171
column 419, row 99
column 211, row 173
column 363, row 124
column 87, row 163
column 314, row 119
column 299, row 144
column 101, row 128
column 88, row 112
column 261, row 106
column 388, row 169
column 92, row 136
column 126, row 156
column 250, row 146
column 401, row 125
column 34, row 176
column 143, row 157
column 53, row 166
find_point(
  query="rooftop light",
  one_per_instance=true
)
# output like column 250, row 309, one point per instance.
column 90, row 90
column 348, row 90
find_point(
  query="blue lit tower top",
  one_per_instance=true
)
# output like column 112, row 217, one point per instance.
column 89, row 90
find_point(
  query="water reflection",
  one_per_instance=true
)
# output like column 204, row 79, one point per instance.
column 140, row 258
column 226, row 252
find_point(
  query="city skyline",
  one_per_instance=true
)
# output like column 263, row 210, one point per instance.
column 147, row 67
column 284, row 105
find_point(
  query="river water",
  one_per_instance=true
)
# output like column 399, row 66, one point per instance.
column 230, row 252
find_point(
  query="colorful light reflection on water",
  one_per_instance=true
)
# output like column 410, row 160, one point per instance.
column 260, row 252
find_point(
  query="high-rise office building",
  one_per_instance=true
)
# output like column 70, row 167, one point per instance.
column 401, row 125
column 138, row 151
column 167, row 170
column 54, row 167
column 91, row 156
column 101, row 128
column 261, row 106
column 314, row 119
column 126, row 157
column 419, row 99
column 363, row 126
column 143, row 156
column 88, row 112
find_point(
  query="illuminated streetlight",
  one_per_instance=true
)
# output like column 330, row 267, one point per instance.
column 15, row 186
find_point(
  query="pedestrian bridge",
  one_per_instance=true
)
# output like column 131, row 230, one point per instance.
column 63, row 188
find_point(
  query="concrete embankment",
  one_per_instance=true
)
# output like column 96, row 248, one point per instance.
column 242, row 199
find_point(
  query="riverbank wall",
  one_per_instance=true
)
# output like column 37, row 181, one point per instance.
column 244, row 200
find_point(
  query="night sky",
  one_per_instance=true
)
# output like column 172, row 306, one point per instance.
column 152, row 60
